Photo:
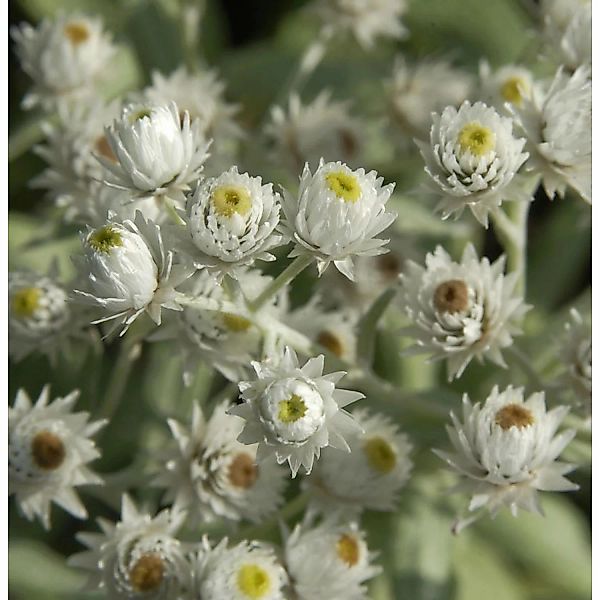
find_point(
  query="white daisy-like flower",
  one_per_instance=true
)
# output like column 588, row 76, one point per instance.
column 293, row 412
column 211, row 475
column 158, row 152
column 506, row 451
column 201, row 94
column 128, row 271
column 472, row 160
column 328, row 561
column 231, row 221
column 367, row 20
column 461, row 310
column 225, row 340
column 49, row 447
column 64, row 57
column 321, row 129
column 576, row 355
column 137, row 557
column 40, row 318
column 415, row 91
column 371, row 476
column 509, row 83
column 247, row 571
column 337, row 214
column 558, row 127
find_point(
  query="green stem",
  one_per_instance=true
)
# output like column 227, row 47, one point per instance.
column 525, row 365
column 190, row 16
column 286, row 276
column 27, row 135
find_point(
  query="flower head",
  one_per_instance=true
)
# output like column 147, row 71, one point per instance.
column 129, row 271
column 558, row 128
column 247, row 571
column 328, row 561
column 370, row 476
column 461, row 310
column 231, row 221
column 506, row 450
column 158, row 152
column 64, row 57
column 306, row 133
column 293, row 412
column 337, row 214
column 49, row 447
column 138, row 557
column 211, row 475
column 472, row 160
column 510, row 83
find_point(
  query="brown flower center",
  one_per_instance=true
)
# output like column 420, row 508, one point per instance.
column 348, row 550
column 451, row 296
column 77, row 33
column 243, row 471
column 48, row 450
column 389, row 265
column 514, row 415
column 147, row 573
column 103, row 148
column 331, row 342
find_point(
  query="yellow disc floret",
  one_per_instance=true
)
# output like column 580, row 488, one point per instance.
column 105, row 238
column 230, row 199
column 253, row 581
column 380, row 454
column 291, row 410
column 77, row 33
column 513, row 89
column 348, row 549
column 476, row 139
column 344, row 185
column 26, row 301
column 236, row 323
column 147, row 573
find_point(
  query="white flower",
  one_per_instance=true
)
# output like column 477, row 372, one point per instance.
column 40, row 319
column 158, row 152
column 558, row 127
column 472, row 160
column 506, row 451
column 64, row 57
column 370, row 476
column 138, row 557
column 337, row 214
column 415, row 91
column 329, row 561
column 231, row 220
column 293, row 412
column 128, row 271
column 576, row 355
column 49, row 447
column 211, row 475
column 509, row 83
column 461, row 310
column 365, row 19
column 201, row 95
column 248, row 571
column 307, row 133
column 225, row 340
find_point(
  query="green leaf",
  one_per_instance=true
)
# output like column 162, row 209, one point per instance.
column 367, row 326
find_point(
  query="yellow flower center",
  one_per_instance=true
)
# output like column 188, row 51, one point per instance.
column 105, row 238
column 451, row 296
column 476, row 139
column 253, row 581
column 291, row 410
column 77, row 33
column 230, row 199
column 331, row 342
column 343, row 185
column 236, row 323
column 26, row 301
column 147, row 573
column 140, row 114
column 47, row 450
column 348, row 549
column 243, row 471
column 380, row 455
column 514, row 415
column 512, row 90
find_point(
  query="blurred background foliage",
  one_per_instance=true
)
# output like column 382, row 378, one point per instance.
column 254, row 45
